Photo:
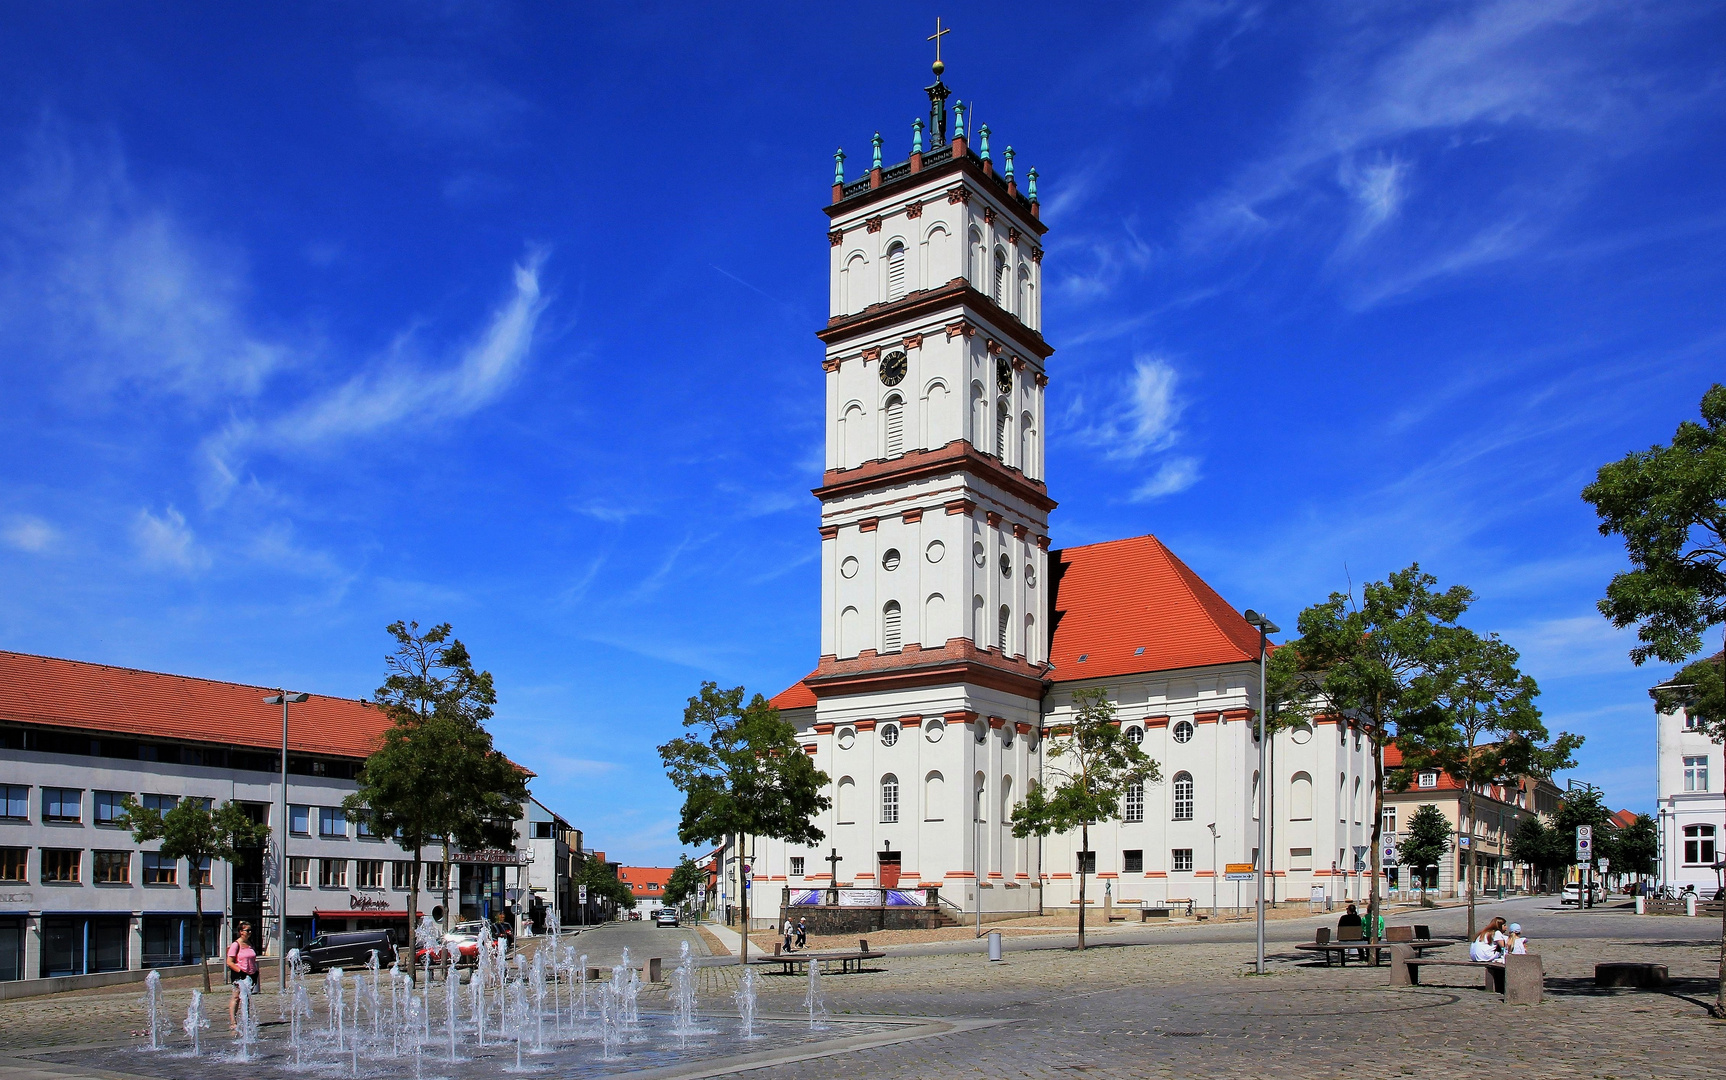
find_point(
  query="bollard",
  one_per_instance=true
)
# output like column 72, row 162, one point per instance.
column 1641, row 904
column 1690, row 903
column 994, row 945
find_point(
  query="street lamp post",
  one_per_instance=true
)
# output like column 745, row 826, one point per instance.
column 284, row 699
column 1265, row 627
column 1214, row 875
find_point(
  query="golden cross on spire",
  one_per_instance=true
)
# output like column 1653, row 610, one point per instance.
column 936, row 38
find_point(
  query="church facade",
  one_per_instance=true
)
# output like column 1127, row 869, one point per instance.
column 953, row 637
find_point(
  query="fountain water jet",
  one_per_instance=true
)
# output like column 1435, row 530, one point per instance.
column 813, row 1000
column 195, row 1022
column 246, row 1028
column 153, row 1002
column 745, row 997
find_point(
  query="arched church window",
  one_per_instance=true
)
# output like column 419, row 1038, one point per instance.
column 974, row 269
column 1001, row 634
column 1183, row 790
column 981, row 785
column 1001, row 432
column 1027, row 446
column 979, row 416
column 889, row 799
column 1032, row 653
column 1022, row 302
column 852, row 436
column 977, row 623
column 890, row 627
column 1300, row 797
column 845, row 802
column 1133, row 806
column 895, row 426
column 934, row 789
column 896, row 271
column 1000, row 277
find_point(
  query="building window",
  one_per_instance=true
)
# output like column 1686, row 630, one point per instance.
column 889, row 799
column 1300, row 858
column 437, row 877
column 402, row 875
column 1696, row 773
column 796, row 866
column 300, row 872
column 542, row 830
column 332, row 873
column 14, row 864
column 1389, row 821
column 66, row 865
column 1087, row 862
column 369, row 873
column 1000, row 277
column 1005, row 620
column 203, row 872
column 889, row 734
column 159, row 870
column 108, row 806
column 300, row 820
column 934, row 796
column 1136, row 735
column 363, row 826
column 1133, row 862
column 890, row 627
column 1698, row 845
column 895, row 426
column 1001, row 432
column 332, row 823
column 113, row 868
column 1300, row 797
column 14, row 802
column 1183, row 788
column 896, row 271
column 1428, row 779
column 1181, row 858
column 62, row 804
column 1133, row 806
column 1183, row 732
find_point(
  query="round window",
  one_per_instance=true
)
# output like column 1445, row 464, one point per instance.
column 1007, row 735
column 889, row 734
column 1006, row 565
column 847, row 736
column 1302, row 733
column 1135, row 735
column 1184, row 731
column 935, row 550
column 1031, row 573
column 848, row 568
column 933, row 730
column 890, row 560
column 979, row 554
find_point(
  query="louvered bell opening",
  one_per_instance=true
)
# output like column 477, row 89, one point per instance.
column 896, row 273
column 895, row 428
column 890, row 628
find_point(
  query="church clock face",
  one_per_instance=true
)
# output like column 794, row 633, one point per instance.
column 893, row 368
column 1004, row 375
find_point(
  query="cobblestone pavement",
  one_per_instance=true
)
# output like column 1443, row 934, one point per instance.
column 1183, row 1007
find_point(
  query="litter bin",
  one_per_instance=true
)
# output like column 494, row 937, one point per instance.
column 994, row 945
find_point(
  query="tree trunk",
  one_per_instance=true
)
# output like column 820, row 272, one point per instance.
column 446, row 911
column 198, row 906
column 1377, row 834
column 743, row 870
column 1468, row 811
column 1084, row 850
column 414, row 907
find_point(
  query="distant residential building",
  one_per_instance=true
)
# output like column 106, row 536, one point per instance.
column 646, row 883
column 1691, row 796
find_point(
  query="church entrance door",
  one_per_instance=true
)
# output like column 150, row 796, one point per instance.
column 889, row 873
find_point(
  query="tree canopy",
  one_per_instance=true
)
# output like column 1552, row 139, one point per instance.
column 1090, row 765
column 1699, row 690
column 1635, row 848
column 684, row 882
column 193, row 831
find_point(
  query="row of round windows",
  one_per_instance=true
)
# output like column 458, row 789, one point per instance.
column 935, row 552
column 933, row 731
column 1182, row 732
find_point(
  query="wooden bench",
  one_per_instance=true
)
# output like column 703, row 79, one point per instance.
column 848, row 961
column 1520, row 979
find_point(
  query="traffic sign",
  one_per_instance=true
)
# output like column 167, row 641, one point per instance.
column 1462, row 841
column 581, row 894
column 1239, row 871
column 1604, row 863
column 1584, row 843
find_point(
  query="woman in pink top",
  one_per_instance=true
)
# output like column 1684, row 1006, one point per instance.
column 242, row 964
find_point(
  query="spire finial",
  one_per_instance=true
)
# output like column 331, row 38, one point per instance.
column 958, row 119
column 876, row 144
column 1031, row 192
column 1008, row 155
column 839, row 166
column 917, row 136
column 983, row 132
column 936, row 37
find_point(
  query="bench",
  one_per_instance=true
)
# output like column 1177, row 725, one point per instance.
column 848, row 961
column 1520, row 979
column 650, row 971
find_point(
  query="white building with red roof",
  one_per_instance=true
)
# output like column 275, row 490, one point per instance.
column 952, row 637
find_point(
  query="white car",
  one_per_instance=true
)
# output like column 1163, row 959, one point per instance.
column 1573, row 893
column 665, row 917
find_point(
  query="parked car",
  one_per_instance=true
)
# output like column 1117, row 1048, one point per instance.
column 1573, row 893
column 462, row 940
column 635, row 916
column 350, row 949
column 665, row 917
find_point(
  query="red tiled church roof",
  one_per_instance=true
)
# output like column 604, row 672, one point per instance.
column 126, row 701
column 1130, row 606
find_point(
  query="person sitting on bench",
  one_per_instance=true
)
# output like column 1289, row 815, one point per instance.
column 1487, row 945
column 1514, row 943
column 1351, row 917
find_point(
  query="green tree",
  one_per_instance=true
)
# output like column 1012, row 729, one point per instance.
column 1669, row 505
column 603, row 886
column 1634, row 848
column 1090, row 765
column 1425, row 840
column 1363, row 660
column 1479, row 725
column 684, row 881
column 191, row 830
column 1699, row 689
column 742, row 773
column 436, row 778
column 1540, row 847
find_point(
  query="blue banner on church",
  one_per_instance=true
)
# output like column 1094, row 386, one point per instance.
column 858, row 897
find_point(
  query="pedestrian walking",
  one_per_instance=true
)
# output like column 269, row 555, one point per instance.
column 803, row 933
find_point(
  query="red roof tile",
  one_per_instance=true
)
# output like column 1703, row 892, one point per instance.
column 795, row 696
column 1113, row 600
column 645, row 880
column 1623, row 819
column 96, row 697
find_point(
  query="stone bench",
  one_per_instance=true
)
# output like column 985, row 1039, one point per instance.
column 1520, row 979
column 650, row 971
column 848, row 961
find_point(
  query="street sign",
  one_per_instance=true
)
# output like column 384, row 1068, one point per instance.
column 1463, row 841
column 1604, row 863
column 1584, row 843
column 581, row 894
column 1239, row 871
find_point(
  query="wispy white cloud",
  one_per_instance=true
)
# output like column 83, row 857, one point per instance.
column 1172, row 476
column 441, row 101
column 1139, row 419
column 1572, row 645
column 30, row 534
column 166, row 541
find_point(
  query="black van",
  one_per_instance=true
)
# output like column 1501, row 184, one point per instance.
column 349, row 949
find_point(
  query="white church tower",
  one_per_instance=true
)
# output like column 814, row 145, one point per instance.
column 934, row 520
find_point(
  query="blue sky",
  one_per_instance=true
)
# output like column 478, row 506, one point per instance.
column 504, row 315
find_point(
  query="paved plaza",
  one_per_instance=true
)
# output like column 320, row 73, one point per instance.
column 1163, row 1001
